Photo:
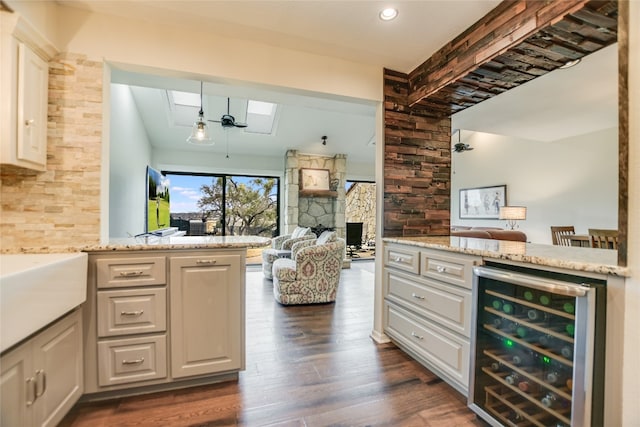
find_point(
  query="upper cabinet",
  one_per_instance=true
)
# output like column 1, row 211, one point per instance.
column 24, row 76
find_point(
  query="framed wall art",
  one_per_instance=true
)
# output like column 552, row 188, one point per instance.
column 314, row 179
column 482, row 202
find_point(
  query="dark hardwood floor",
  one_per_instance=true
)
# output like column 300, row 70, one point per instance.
column 306, row 366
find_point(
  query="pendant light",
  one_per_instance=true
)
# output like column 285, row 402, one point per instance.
column 200, row 131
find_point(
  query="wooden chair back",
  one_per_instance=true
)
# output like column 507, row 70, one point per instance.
column 558, row 232
column 603, row 239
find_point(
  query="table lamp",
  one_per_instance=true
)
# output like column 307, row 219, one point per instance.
column 513, row 214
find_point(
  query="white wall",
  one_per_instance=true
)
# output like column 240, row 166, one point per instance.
column 130, row 153
column 573, row 181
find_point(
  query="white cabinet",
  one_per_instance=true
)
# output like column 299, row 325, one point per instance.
column 428, row 307
column 42, row 378
column 206, row 314
column 157, row 317
column 24, row 82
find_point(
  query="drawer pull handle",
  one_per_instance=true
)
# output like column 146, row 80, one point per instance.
column 417, row 296
column 133, row 362
column 420, row 337
column 131, row 273
column 441, row 269
column 40, row 373
column 132, row 313
column 31, row 391
column 206, row 261
column 398, row 259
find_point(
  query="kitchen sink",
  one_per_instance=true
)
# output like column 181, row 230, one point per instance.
column 36, row 289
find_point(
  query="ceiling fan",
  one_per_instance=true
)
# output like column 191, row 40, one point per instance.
column 227, row 120
column 460, row 147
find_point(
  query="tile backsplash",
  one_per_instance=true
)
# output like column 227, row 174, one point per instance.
column 61, row 206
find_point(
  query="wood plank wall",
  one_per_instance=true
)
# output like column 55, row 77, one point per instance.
column 417, row 165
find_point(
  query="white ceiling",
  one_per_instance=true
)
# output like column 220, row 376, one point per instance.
column 352, row 30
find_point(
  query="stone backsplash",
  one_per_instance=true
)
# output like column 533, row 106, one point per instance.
column 60, row 207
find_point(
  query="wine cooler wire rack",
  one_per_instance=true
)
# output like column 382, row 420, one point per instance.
column 529, row 345
column 531, row 304
column 534, row 376
column 503, row 405
column 527, row 406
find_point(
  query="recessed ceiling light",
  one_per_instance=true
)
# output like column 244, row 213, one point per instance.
column 570, row 64
column 388, row 14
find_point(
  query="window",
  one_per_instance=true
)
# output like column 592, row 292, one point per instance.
column 224, row 205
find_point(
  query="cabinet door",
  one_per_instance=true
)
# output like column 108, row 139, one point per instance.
column 17, row 387
column 33, row 84
column 57, row 364
column 207, row 319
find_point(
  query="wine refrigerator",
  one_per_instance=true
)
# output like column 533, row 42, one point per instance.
column 538, row 350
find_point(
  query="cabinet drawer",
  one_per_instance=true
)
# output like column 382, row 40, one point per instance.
column 447, row 305
column 131, row 360
column 127, row 272
column 457, row 269
column 403, row 258
column 444, row 350
column 131, row 311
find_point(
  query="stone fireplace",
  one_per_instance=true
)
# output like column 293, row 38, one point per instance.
column 321, row 209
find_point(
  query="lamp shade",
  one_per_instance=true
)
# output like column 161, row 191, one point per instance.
column 513, row 212
column 200, row 133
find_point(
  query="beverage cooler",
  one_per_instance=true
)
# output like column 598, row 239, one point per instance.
column 538, row 355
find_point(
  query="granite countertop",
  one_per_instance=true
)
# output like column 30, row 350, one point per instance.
column 156, row 243
column 601, row 261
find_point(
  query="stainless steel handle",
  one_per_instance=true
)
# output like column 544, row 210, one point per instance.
column 31, row 387
column 548, row 285
column 417, row 296
column 131, row 273
column 420, row 337
column 206, row 261
column 132, row 313
column 133, row 362
column 441, row 269
column 41, row 374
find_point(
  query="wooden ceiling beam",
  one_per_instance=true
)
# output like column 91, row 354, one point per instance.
column 507, row 25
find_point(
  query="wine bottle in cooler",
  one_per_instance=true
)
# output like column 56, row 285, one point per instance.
column 529, row 295
column 550, row 400
column 508, row 308
column 528, row 386
column 556, row 377
column 522, row 358
column 512, row 379
column 537, row 316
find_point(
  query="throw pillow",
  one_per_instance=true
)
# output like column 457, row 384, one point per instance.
column 299, row 232
column 326, row 237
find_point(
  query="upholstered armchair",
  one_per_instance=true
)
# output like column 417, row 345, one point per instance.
column 280, row 244
column 312, row 273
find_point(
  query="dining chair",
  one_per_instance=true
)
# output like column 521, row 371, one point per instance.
column 558, row 233
column 603, row 239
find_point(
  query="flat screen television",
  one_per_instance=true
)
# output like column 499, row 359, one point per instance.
column 157, row 209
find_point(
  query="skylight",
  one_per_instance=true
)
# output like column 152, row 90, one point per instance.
column 259, row 107
column 260, row 117
column 187, row 99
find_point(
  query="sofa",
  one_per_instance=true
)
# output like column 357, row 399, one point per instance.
column 283, row 243
column 312, row 274
column 494, row 233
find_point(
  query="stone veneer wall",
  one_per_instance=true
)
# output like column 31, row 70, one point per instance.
column 61, row 206
column 361, row 207
column 313, row 211
column 417, row 165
